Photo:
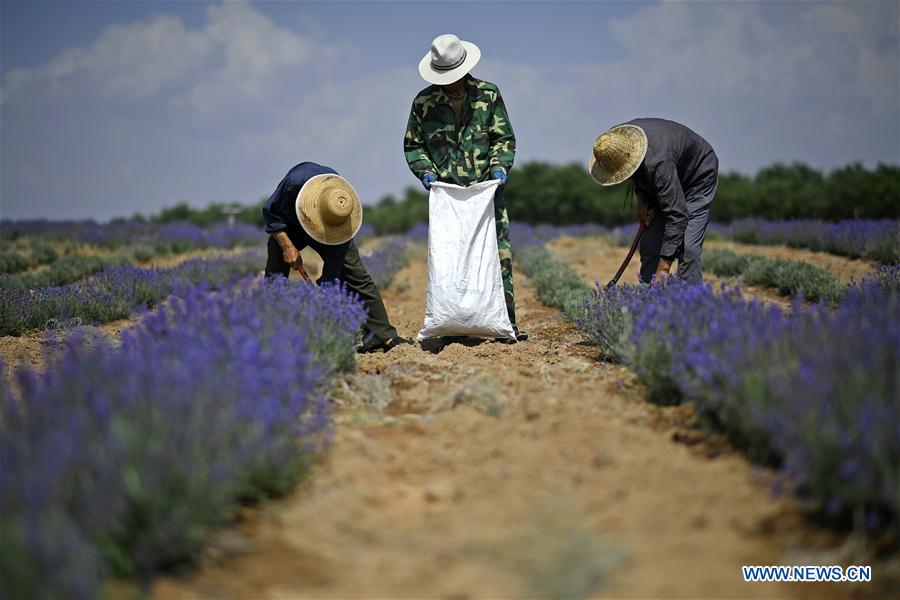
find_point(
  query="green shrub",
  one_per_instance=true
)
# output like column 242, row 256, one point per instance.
column 788, row 277
column 68, row 269
column 557, row 284
column 43, row 253
column 791, row 277
column 143, row 253
column 12, row 262
column 726, row 263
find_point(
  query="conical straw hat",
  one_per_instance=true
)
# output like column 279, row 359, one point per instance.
column 617, row 154
column 329, row 209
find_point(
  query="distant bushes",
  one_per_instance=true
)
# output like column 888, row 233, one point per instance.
column 565, row 194
column 163, row 238
column 119, row 461
column 787, row 277
column 540, row 192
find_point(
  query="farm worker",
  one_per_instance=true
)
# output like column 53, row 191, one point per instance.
column 674, row 172
column 459, row 132
column 313, row 206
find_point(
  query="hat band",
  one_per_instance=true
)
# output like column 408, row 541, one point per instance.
column 438, row 67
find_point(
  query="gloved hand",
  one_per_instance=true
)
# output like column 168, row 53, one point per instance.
column 499, row 174
column 428, row 179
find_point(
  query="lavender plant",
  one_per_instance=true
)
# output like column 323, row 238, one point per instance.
column 121, row 460
column 788, row 277
column 67, row 269
column 176, row 236
column 12, row 262
column 366, row 232
column 814, row 389
column 43, row 253
column 556, row 283
column 877, row 240
column 116, row 292
column 384, row 262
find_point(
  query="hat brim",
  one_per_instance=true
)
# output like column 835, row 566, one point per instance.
column 473, row 55
column 604, row 177
column 310, row 218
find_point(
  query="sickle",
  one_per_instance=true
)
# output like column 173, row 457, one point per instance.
column 634, row 245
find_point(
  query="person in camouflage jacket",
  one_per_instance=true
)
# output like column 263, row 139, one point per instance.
column 460, row 133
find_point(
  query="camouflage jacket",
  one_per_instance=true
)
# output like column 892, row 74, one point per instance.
column 463, row 153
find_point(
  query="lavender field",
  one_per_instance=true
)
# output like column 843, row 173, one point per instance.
column 157, row 391
column 121, row 454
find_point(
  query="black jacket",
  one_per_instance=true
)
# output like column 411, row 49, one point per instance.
column 679, row 164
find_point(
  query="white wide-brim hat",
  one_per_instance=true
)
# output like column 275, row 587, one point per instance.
column 449, row 60
column 617, row 154
column 329, row 209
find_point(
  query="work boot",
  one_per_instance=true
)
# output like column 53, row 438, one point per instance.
column 385, row 346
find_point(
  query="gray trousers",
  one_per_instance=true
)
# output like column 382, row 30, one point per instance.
column 690, row 267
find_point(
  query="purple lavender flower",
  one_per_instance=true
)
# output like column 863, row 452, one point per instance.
column 814, row 390
column 122, row 459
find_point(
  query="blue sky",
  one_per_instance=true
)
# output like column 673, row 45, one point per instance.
column 112, row 108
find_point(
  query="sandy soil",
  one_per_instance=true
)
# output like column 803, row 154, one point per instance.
column 489, row 470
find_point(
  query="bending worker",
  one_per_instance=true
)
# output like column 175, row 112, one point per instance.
column 675, row 173
column 313, row 206
column 459, row 132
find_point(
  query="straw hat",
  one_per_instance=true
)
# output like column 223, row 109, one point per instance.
column 617, row 154
column 450, row 58
column 329, row 209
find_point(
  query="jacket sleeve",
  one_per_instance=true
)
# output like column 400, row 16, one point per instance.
column 672, row 204
column 502, row 138
column 272, row 209
column 414, row 147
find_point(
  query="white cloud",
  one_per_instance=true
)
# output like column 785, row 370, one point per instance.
column 776, row 82
column 238, row 54
column 154, row 111
column 814, row 82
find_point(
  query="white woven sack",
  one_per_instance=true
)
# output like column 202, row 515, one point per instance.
column 465, row 290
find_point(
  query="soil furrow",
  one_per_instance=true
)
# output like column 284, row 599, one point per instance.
column 492, row 470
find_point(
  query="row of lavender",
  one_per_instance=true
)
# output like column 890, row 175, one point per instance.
column 875, row 240
column 120, row 460
column 115, row 292
column 29, row 302
column 176, row 236
column 813, row 390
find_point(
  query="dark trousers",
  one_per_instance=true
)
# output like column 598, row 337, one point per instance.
column 690, row 267
column 342, row 262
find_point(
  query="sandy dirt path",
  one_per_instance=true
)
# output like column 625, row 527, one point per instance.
column 487, row 471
